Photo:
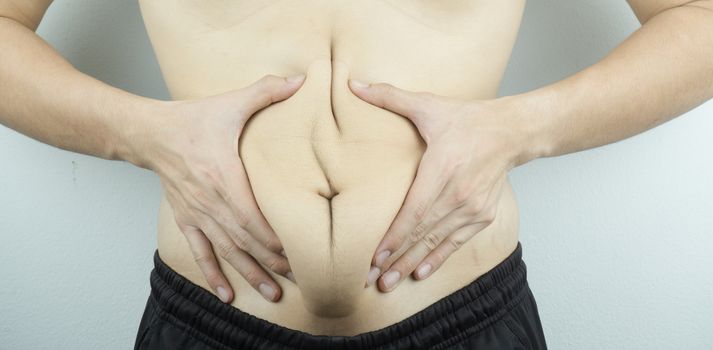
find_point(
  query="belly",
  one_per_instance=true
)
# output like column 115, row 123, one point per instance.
column 329, row 171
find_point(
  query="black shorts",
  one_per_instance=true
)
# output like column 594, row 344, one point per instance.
column 496, row 311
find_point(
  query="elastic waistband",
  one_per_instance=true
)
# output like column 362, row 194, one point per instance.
column 445, row 322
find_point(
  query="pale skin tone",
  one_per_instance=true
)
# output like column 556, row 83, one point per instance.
column 472, row 144
column 639, row 85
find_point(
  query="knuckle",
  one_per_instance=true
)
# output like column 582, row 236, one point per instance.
column 202, row 260
column 251, row 276
column 438, row 212
column 226, row 249
column 198, row 195
column 198, row 219
column 221, row 217
column 241, row 240
column 182, row 223
column 242, row 217
column 414, row 237
column 273, row 244
column 455, row 242
column 278, row 265
column 419, row 212
column 488, row 216
column 475, row 207
column 418, row 231
column 461, row 194
column 202, row 199
column 210, row 173
column 431, row 241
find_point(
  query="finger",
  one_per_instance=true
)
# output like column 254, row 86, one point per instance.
column 268, row 259
column 268, row 90
column 434, row 260
column 408, row 262
column 454, row 241
column 383, row 95
column 443, row 206
column 239, row 196
column 207, row 263
column 223, row 215
column 430, row 180
column 440, row 209
column 251, row 271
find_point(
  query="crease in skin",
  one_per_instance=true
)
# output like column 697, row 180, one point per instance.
column 328, row 193
column 420, row 21
column 314, row 137
column 326, row 138
column 333, row 193
column 332, row 86
column 239, row 18
column 369, row 156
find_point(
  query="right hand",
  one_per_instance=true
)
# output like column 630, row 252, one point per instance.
column 195, row 153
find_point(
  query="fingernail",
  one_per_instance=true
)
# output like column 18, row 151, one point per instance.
column 222, row 294
column 295, row 78
column 290, row 276
column 266, row 291
column 390, row 279
column 358, row 83
column 423, row 270
column 373, row 275
column 382, row 257
column 282, row 252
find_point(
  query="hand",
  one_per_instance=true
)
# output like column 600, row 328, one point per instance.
column 195, row 154
column 471, row 146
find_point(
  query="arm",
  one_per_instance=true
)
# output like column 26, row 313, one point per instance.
column 191, row 145
column 661, row 71
column 44, row 97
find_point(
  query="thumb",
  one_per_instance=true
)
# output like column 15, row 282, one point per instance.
column 268, row 90
column 387, row 96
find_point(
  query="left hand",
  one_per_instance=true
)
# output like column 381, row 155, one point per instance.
column 471, row 146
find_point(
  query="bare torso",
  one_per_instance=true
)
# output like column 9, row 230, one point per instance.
column 328, row 170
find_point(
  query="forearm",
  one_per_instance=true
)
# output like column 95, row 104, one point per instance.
column 44, row 97
column 661, row 71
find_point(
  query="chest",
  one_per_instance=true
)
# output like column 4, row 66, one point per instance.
column 209, row 46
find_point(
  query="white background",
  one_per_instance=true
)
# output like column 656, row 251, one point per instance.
column 617, row 239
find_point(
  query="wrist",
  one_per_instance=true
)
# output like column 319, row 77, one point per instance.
column 528, row 117
column 139, row 130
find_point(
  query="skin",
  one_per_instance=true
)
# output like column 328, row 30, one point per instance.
column 191, row 160
column 90, row 117
column 471, row 148
column 328, row 170
column 637, row 86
